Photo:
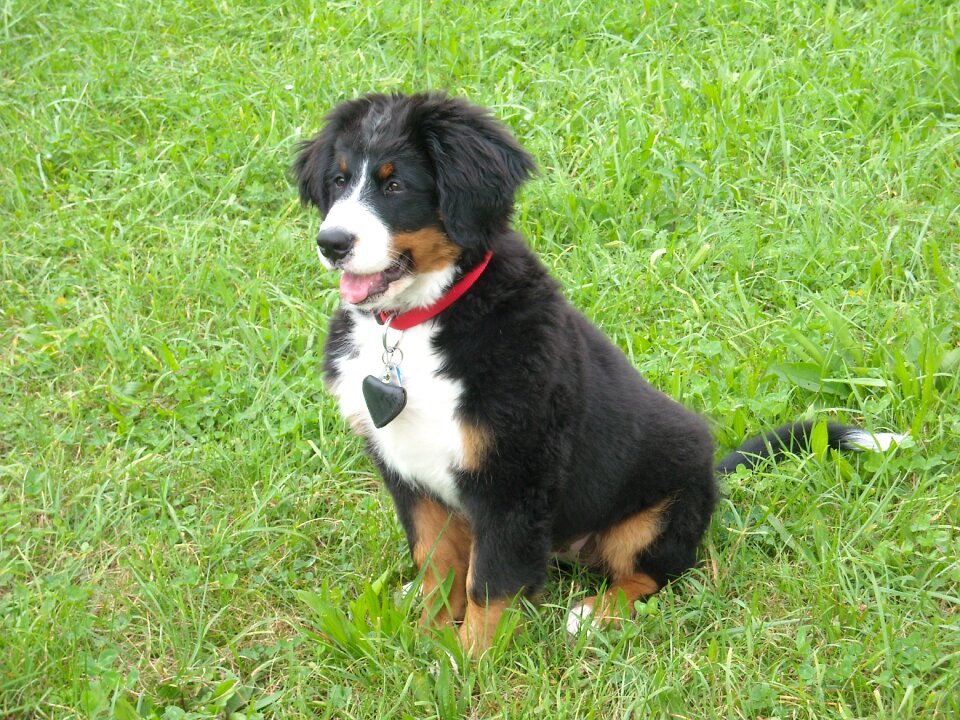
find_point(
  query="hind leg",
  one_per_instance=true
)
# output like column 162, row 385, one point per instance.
column 617, row 551
column 640, row 554
column 613, row 606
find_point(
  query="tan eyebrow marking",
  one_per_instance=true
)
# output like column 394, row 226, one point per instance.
column 385, row 171
column 342, row 164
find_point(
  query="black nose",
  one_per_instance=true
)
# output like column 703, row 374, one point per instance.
column 334, row 243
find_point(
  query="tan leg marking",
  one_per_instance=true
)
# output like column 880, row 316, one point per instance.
column 480, row 625
column 429, row 247
column 616, row 604
column 443, row 545
column 476, row 444
column 617, row 548
column 481, row 619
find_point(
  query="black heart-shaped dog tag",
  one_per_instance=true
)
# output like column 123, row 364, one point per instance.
column 384, row 401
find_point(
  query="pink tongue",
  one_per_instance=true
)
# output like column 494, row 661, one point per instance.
column 356, row 288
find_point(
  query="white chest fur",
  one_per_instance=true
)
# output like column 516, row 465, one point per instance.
column 424, row 443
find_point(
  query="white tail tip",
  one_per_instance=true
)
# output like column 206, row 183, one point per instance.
column 861, row 440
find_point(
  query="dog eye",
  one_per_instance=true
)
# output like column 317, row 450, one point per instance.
column 392, row 186
column 339, row 181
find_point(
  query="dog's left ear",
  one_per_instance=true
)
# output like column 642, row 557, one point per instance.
column 478, row 167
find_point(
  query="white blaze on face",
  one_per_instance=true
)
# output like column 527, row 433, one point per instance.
column 372, row 250
column 362, row 281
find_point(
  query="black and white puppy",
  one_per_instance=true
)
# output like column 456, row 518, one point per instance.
column 506, row 427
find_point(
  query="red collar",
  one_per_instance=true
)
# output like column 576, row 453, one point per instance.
column 407, row 320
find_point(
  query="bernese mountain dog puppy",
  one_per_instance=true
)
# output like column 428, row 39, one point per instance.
column 506, row 427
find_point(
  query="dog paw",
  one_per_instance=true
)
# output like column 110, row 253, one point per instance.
column 578, row 618
column 454, row 665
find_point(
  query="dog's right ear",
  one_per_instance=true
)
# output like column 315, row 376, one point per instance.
column 315, row 157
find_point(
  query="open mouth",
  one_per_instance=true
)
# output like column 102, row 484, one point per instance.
column 356, row 289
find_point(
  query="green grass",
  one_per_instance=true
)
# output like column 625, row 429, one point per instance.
column 758, row 200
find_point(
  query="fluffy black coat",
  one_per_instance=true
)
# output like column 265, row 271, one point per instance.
column 579, row 440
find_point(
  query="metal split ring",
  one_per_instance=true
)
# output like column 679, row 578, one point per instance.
column 386, row 329
column 392, row 357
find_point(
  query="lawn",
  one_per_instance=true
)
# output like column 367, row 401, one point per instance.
column 758, row 200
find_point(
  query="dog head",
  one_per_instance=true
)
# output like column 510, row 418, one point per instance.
column 413, row 189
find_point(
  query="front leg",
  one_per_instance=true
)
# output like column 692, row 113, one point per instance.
column 439, row 542
column 441, row 548
column 508, row 558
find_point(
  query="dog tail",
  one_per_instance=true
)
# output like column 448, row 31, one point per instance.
column 795, row 437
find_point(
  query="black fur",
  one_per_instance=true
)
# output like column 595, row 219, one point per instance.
column 476, row 166
column 353, row 133
column 774, row 444
column 315, row 167
column 479, row 167
column 579, row 440
column 582, row 441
